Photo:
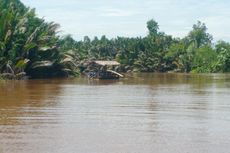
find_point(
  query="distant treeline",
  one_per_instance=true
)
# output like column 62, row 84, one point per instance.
column 30, row 46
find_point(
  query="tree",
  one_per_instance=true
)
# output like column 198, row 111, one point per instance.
column 204, row 59
column 174, row 56
column 153, row 27
column 28, row 44
column 222, row 63
column 199, row 35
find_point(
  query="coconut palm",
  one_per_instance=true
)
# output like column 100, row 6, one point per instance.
column 28, row 43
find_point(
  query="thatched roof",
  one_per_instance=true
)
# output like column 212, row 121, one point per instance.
column 107, row 63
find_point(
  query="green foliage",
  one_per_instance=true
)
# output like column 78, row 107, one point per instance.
column 222, row 63
column 153, row 27
column 30, row 45
column 157, row 52
column 199, row 35
column 204, row 60
column 175, row 56
column 193, row 53
column 26, row 39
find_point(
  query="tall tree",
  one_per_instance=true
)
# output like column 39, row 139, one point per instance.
column 199, row 35
column 153, row 27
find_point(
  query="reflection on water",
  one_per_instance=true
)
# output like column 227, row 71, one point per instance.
column 143, row 113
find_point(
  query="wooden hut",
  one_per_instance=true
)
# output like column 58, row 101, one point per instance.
column 104, row 70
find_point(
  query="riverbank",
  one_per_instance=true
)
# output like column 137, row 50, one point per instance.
column 29, row 44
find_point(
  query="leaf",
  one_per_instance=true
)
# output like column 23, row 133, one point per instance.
column 22, row 63
column 29, row 46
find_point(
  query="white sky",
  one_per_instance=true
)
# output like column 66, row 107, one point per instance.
column 128, row 17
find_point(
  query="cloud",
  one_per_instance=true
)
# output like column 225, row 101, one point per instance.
column 117, row 13
column 128, row 18
column 217, row 26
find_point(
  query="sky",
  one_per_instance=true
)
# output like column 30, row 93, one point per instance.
column 128, row 17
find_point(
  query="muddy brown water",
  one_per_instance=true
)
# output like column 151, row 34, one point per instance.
column 143, row 113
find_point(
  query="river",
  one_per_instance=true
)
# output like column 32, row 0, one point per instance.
column 143, row 113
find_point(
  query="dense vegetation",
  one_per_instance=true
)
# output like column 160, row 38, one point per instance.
column 157, row 52
column 30, row 46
